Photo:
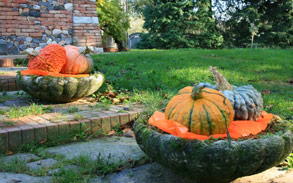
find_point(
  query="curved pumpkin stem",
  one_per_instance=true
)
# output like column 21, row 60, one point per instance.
column 197, row 92
column 87, row 51
column 222, row 83
column 30, row 53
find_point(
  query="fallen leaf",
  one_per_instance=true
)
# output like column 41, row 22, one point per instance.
column 125, row 130
column 115, row 100
column 276, row 118
column 8, row 152
column 112, row 132
column 265, row 92
column 43, row 141
column 121, row 167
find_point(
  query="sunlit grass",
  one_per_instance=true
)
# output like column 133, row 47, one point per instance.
column 33, row 109
column 167, row 71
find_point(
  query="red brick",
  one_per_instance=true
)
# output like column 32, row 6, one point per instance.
column 47, row 15
column 96, row 124
column 132, row 115
column 52, row 131
column 60, row 23
column 28, row 121
column 22, row 34
column 28, row 30
column 59, row 16
column 55, row 12
column 12, row 13
column 124, row 118
column 85, row 125
column 39, row 120
column 63, row 128
column 3, row 140
column 40, row 133
column 27, row 134
column 74, row 126
column 106, row 123
column 14, row 138
column 91, row 9
column 7, row 9
column 50, row 116
column 85, row 6
column 36, row 35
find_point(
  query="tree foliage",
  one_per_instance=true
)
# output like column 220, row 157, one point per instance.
column 272, row 19
column 179, row 24
column 113, row 20
column 202, row 23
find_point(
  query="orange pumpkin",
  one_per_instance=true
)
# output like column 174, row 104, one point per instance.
column 202, row 110
column 76, row 63
column 51, row 59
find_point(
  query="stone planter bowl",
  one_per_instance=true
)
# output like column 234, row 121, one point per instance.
column 59, row 89
column 213, row 162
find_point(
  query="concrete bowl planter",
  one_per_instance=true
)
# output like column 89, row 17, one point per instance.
column 59, row 89
column 214, row 161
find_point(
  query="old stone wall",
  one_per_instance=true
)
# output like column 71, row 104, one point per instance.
column 36, row 23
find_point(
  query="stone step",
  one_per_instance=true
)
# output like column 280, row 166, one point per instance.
column 155, row 173
column 113, row 149
column 149, row 173
column 117, row 150
column 6, row 177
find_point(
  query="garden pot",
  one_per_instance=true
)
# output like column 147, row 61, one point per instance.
column 214, row 161
column 59, row 89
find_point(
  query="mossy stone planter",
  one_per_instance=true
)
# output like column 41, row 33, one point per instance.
column 218, row 161
column 59, row 89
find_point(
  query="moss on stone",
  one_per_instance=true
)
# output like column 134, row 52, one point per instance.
column 214, row 161
column 60, row 89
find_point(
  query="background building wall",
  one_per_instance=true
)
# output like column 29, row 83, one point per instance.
column 34, row 24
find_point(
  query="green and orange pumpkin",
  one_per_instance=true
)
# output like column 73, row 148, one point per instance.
column 204, row 111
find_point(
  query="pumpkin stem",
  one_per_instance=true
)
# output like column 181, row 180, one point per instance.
column 222, row 83
column 197, row 92
column 30, row 52
column 87, row 51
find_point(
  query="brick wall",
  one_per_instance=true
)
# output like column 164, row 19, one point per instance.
column 35, row 23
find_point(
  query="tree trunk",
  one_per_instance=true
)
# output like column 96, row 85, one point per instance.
column 120, row 45
column 252, row 39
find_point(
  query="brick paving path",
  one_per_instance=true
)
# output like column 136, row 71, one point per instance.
column 28, row 129
column 7, row 78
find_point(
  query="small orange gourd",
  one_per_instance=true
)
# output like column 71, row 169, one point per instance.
column 204, row 111
column 76, row 63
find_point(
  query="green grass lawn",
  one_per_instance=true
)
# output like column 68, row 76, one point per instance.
column 157, row 74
